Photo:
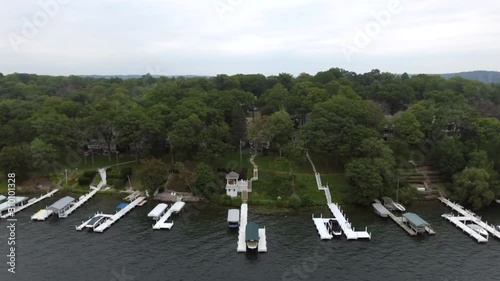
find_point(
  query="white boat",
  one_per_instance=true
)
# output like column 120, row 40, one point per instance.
column 478, row 229
column 96, row 221
column 399, row 207
column 498, row 201
column 498, row 227
column 233, row 218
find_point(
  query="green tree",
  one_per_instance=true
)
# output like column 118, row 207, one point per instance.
column 43, row 155
column 153, row 175
column 205, row 181
column 280, row 128
column 15, row 159
column 471, row 186
column 407, row 128
column 449, row 156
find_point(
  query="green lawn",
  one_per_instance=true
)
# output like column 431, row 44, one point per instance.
column 3, row 187
column 101, row 161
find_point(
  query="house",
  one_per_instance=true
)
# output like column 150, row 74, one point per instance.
column 235, row 186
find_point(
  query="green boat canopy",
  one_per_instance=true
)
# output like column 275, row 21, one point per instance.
column 252, row 232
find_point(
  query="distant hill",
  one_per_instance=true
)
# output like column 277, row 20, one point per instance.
column 480, row 75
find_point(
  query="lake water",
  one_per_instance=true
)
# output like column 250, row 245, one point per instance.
column 200, row 247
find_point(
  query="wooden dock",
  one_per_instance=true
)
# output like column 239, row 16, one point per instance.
column 399, row 221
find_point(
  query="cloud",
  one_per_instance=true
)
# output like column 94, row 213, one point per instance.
column 250, row 36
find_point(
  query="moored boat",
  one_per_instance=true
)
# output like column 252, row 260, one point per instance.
column 233, row 218
column 478, row 229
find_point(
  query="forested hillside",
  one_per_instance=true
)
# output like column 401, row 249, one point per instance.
column 371, row 125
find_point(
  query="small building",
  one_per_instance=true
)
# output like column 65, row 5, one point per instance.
column 416, row 223
column 234, row 185
column 61, row 206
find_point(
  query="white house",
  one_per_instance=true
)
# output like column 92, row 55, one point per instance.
column 233, row 185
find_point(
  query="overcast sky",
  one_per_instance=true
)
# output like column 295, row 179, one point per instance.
column 207, row 37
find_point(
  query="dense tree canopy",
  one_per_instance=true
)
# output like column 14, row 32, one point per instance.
column 335, row 112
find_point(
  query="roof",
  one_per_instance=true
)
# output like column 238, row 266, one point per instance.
column 252, row 232
column 61, row 203
column 415, row 220
column 232, row 175
column 2, row 197
column 12, row 202
column 158, row 210
column 233, row 215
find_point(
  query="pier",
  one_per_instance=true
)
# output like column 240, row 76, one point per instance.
column 161, row 223
column 83, row 199
column 114, row 218
column 31, row 202
column 242, row 243
column 382, row 211
column 467, row 215
column 459, row 222
column 347, row 229
column 320, row 224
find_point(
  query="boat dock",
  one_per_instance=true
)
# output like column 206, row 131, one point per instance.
column 320, row 224
column 161, row 223
column 242, row 247
column 467, row 215
column 84, row 198
column 458, row 221
column 94, row 221
column 349, row 231
column 341, row 220
column 114, row 218
column 382, row 211
column 16, row 209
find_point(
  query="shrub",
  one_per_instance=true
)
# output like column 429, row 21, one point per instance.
column 83, row 180
column 125, row 172
column 119, row 184
column 109, row 169
column 90, row 174
column 294, row 201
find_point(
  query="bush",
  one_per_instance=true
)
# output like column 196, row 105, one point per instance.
column 125, row 172
column 83, row 180
column 90, row 174
column 109, row 169
column 119, row 184
column 110, row 181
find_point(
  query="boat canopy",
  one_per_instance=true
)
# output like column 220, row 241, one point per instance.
column 12, row 202
column 61, row 204
column 415, row 220
column 233, row 215
column 252, row 232
column 2, row 197
column 122, row 205
column 158, row 210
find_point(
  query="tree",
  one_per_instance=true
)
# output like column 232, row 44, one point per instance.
column 185, row 135
column 238, row 125
column 205, row 181
column 449, row 156
column 365, row 180
column 153, row 175
column 15, row 159
column 280, row 128
column 407, row 128
column 471, row 187
column 43, row 155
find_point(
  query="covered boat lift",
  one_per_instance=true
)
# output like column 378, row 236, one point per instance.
column 233, row 218
column 158, row 211
column 252, row 235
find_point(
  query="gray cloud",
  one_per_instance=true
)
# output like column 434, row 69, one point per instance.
column 248, row 36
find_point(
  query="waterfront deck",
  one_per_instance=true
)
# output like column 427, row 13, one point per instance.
column 470, row 216
column 321, row 227
column 161, row 223
column 399, row 221
column 457, row 221
column 114, row 218
column 30, row 203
